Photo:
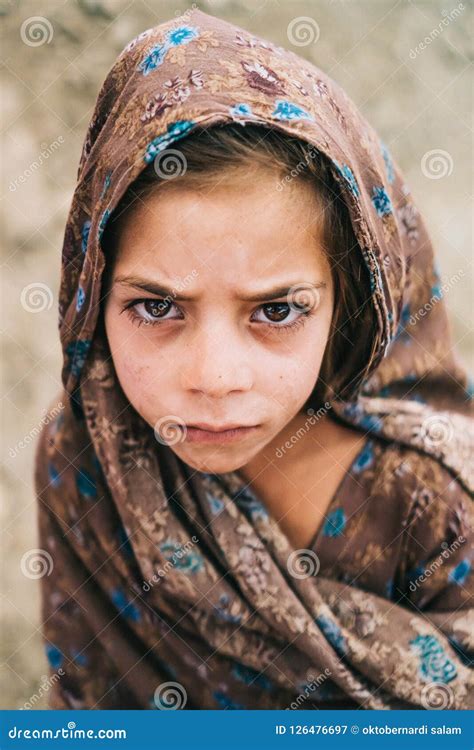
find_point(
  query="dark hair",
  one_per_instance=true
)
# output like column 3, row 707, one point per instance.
column 210, row 153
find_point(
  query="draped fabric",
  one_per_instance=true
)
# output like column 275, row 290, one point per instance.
column 172, row 588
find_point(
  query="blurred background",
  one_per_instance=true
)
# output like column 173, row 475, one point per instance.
column 405, row 64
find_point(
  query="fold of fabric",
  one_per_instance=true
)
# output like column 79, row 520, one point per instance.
column 227, row 620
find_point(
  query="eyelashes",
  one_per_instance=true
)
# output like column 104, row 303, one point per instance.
column 139, row 317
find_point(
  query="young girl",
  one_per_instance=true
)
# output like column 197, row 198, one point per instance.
column 258, row 494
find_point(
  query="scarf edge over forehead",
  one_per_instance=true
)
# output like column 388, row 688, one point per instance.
column 415, row 391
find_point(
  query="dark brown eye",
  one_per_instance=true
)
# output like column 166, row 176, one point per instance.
column 276, row 311
column 157, row 308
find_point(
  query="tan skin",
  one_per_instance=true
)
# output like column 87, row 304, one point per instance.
column 219, row 358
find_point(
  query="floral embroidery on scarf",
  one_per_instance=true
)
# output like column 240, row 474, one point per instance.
column 348, row 175
column 174, row 131
column 365, row 459
column 86, row 484
column 225, row 702
column 177, row 90
column 85, row 235
column 285, row 110
column 174, row 38
column 381, row 201
column 250, row 676
column 125, row 606
column 80, row 298
column 333, row 634
column 435, row 665
column 215, row 503
column 247, row 502
column 388, row 162
column 227, row 610
column 54, row 655
column 77, row 352
column 460, row 573
column 103, row 221
column 79, row 658
column 54, row 476
column 335, row 523
column 106, row 186
column 262, row 78
column 189, row 561
column 240, row 109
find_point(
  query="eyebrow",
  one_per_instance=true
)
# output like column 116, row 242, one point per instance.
column 161, row 290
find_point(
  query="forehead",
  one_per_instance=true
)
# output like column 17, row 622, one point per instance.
column 230, row 230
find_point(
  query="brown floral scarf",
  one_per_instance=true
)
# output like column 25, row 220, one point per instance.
column 170, row 588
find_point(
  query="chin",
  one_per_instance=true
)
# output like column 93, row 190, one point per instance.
column 215, row 464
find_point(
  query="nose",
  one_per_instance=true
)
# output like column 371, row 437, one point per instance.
column 216, row 363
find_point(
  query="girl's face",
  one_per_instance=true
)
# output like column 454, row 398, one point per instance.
column 218, row 313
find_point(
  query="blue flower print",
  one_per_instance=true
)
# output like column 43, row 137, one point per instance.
column 126, row 607
column 153, row 59
column 86, row 484
column 85, row 235
column 285, row 110
column 77, row 352
column 174, row 38
column 216, row 503
column 54, row 655
column 175, row 131
column 222, row 610
column 80, row 298
column 239, row 110
column 365, row 458
column 381, row 201
column 460, row 573
column 106, row 185
column 182, row 35
column 189, row 561
column 54, row 476
column 225, row 702
column 389, row 589
column 79, row 658
column 403, row 325
column 250, row 676
column 435, row 665
column 103, row 221
column 335, row 523
column 388, row 163
column 348, row 175
column 333, row 634
column 250, row 505
column 124, row 542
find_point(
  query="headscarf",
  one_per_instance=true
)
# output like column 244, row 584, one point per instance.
column 116, row 506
